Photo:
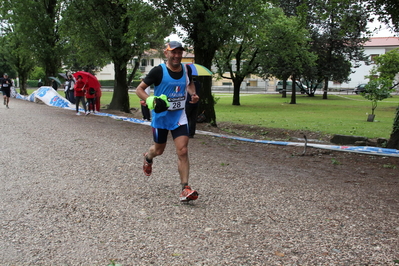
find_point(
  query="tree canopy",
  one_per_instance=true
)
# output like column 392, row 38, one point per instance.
column 337, row 29
column 288, row 54
column 119, row 31
column 249, row 47
column 32, row 34
column 387, row 71
column 209, row 25
column 387, row 11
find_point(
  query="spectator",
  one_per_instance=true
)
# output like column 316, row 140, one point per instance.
column 144, row 108
column 54, row 84
column 97, row 99
column 79, row 90
column 192, row 110
column 70, row 83
column 91, row 100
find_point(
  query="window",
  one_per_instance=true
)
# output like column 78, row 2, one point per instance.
column 152, row 62
column 373, row 57
column 144, row 62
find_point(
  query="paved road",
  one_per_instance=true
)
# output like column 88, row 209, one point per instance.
column 73, row 193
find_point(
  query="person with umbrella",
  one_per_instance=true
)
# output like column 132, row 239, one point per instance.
column 80, row 94
column 54, row 84
column 168, row 105
column 91, row 82
column 68, row 89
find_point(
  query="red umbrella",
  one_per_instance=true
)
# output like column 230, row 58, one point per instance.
column 90, row 80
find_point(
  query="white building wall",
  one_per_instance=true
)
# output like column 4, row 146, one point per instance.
column 108, row 72
column 358, row 77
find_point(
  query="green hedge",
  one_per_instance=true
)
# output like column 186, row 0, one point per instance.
column 110, row 83
column 104, row 83
column 107, row 83
column 32, row 83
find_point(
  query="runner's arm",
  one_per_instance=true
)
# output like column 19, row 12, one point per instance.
column 153, row 77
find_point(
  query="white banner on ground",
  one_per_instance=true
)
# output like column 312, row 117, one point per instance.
column 48, row 96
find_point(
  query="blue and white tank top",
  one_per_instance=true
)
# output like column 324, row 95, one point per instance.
column 175, row 90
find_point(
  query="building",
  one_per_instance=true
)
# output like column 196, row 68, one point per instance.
column 374, row 47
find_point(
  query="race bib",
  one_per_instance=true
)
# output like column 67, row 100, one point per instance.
column 176, row 103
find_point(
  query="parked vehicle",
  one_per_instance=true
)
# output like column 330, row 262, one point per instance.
column 359, row 88
column 300, row 87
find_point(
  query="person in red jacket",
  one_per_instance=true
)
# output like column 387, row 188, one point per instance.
column 91, row 100
column 79, row 90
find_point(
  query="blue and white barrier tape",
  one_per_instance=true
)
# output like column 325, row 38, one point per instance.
column 50, row 97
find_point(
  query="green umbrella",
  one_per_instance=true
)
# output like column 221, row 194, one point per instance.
column 56, row 80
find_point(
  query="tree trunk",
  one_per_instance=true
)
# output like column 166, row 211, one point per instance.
column 293, row 94
column 236, row 95
column 325, row 88
column 393, row 142
column 120, row 97
column 207, row 102
column 284, row 92
column 22, row 84
column 203, row 56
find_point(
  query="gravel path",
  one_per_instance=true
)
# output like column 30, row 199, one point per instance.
column 73, row 193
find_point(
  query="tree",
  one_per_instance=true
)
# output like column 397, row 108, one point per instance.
column 287, row 53
column 387, row 66
column 16, row 51
column 19, row 58
column 387, row 11
column 344, row 23
column 377, row 90
column 208, row 24
column 37, row 27
column 244, row 51
column 336, row 29
column 119, row 31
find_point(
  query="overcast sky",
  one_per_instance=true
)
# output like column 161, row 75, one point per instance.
column 383, row 32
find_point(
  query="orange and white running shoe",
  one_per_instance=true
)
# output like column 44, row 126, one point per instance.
column 188, row 194
column 147, row 167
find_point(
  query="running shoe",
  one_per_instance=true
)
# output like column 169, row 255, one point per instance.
column 77, row 113
column 147, row 167
column 188, row 194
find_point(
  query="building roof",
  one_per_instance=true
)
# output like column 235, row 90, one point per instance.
column 382, row 41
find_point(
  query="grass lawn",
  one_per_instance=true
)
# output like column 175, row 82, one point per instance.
column 339, row 114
